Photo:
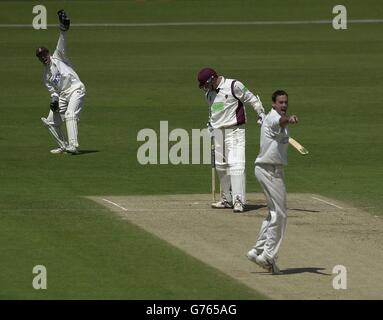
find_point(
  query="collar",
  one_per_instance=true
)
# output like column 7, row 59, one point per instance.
column 221, row 83
column 50, row 63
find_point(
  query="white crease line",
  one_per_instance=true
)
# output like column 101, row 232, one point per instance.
column 115, row 204
column 199, row 23
column 331, row 204
column 154, row 210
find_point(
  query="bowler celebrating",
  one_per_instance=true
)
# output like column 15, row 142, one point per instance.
column 269, row 173
column 66, row 90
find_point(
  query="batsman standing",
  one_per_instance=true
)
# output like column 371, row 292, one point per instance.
column 66, row 90
column 269, row 172
column 227, row 118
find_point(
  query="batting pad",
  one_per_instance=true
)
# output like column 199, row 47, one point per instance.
column 224, row 180
column 238, row 187
column 72, row 130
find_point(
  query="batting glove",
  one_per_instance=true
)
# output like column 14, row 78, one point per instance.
column 54, row 106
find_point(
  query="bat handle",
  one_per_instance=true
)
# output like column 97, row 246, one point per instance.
column 213, row 169
column 213, row 183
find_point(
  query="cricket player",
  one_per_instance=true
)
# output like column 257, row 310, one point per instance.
column 66, row 90
column 226, row 99
column 269, row 172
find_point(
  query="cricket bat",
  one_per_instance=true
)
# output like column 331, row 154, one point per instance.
column 213, row 169
column 301, row 149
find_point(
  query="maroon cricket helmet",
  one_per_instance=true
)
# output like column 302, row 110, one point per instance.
column 41, row 51
column 204, row 75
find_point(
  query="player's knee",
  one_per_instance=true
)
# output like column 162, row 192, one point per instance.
column 221, row 166
column 281, row 214
column 237, row 168
column 69, row 115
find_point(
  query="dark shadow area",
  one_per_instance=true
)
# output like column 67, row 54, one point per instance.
column 315, row 270
column 85, row 152
column 304, row 210
column 250, row 207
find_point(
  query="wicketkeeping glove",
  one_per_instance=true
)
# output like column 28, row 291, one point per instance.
column 64, row 20
column 54, row 106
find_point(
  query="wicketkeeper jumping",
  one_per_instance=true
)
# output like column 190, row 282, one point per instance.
column 66, row 90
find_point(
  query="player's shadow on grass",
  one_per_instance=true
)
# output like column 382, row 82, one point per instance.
column 251, row 207
column 82, row 152
column 304, row 210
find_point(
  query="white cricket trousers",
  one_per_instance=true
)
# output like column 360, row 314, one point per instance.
column 69, row 111
column 230, row 162
column 272, row 181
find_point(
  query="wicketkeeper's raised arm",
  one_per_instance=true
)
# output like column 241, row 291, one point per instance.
column 61, row 51
column 247, row 97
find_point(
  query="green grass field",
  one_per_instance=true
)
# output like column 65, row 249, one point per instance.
column 138, row 76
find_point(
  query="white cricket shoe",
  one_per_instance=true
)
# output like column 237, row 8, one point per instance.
column 223, row 204
column 238, row 206
column 72, row 150
column 58, row 150
column 252, row 255
column 269, row 266
column 274, row 268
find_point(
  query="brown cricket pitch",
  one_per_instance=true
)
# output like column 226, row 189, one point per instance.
column 318, row 237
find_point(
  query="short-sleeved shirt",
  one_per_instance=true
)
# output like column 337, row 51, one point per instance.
column 226, row 104
column 274, row 141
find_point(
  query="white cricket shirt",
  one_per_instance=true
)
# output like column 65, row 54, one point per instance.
column 227, row 110
column 274, row 141
column 59, row 76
